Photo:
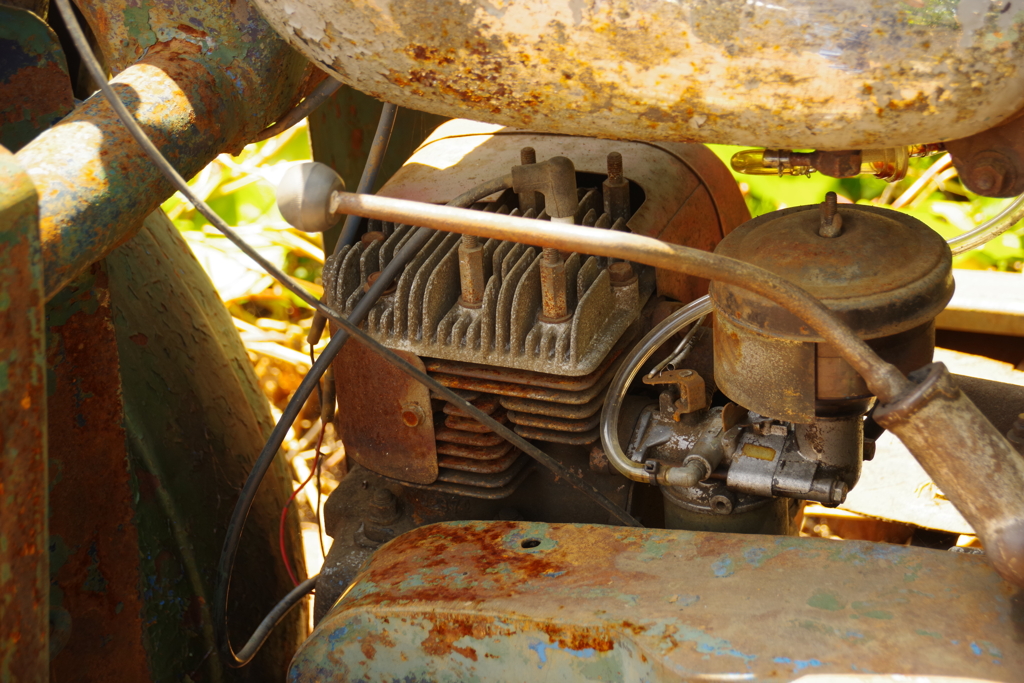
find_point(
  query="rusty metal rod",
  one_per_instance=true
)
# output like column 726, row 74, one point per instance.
column 884, row 380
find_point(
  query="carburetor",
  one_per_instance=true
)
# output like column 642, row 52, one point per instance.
column 793, row 426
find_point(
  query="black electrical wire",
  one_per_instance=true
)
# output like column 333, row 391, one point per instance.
column 312, row 378
column 274, row 617
column 303, row 109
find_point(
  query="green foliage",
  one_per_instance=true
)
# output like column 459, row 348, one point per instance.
column 241, row 190
column 940, row 201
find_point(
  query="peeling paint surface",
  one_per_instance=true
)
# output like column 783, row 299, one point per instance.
column 829, row 74
column 512, row 601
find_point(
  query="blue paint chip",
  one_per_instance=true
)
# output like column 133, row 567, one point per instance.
column 541, row 648
column 976, row 649
column 722, row 567
column 798, row 664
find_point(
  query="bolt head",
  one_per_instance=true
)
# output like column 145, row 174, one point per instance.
column 838, row 493
column 621, row 273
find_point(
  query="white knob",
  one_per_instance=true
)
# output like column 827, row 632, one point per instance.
column 304, row 196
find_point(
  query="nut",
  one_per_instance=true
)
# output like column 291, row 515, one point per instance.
column 621, row 274
column 372, row 278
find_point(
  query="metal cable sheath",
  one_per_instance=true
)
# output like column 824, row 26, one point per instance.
column 303, row 109
column 631, row 364
column 884, row 380
column 371, row 169
column 274, row 617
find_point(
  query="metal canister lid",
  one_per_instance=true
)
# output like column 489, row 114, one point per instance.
column 883, row 273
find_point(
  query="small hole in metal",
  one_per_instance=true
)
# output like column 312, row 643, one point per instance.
column 530, row 543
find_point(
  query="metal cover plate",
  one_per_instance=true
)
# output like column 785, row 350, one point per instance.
column 502, row 601
column 373, row 399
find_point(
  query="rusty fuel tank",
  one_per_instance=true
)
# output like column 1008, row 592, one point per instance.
column 829, row 74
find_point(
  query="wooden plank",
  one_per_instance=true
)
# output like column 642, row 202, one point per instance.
column 985, row 301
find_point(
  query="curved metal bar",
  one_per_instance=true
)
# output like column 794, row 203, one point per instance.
column 95, row 185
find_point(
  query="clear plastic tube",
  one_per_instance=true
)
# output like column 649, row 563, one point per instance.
column 625, row 375
column 1011, row 214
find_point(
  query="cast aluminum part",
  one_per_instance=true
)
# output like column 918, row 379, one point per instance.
column 844, row 74
column 500, row 303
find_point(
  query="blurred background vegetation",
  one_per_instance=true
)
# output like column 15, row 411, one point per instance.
column 273, row 323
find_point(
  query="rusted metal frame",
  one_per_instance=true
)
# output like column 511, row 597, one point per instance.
column 885, row 381
column 211, row 75
column 24, row 549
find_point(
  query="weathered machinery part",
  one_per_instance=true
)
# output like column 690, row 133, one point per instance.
column 684, row 185
column 24, row 548
column 195, row 419
column 991, row 163
column 426, row 315
column 544, row 378
column 611, row 604
column 977, row 469
column 710, row 506
column 666, row 71
column 35, row 90
column 195, row 101
column 361, row 519
column 886, row 274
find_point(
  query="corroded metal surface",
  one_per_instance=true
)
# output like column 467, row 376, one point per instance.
column 884, row 274
column 24, row 560
column 512, row 601
column 35, row 90
column 96, row 605
column 210, row 75
column 991, row 163
column 980, row 472
column 836, row 74
column 384, row 416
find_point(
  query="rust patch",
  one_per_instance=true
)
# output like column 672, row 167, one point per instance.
column 91, row 499
column 449, row 628
column 582, row 638
column 24, row 581
column 374, row 425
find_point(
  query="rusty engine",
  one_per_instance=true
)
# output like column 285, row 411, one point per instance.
column 530, row 335
column 583, row 395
